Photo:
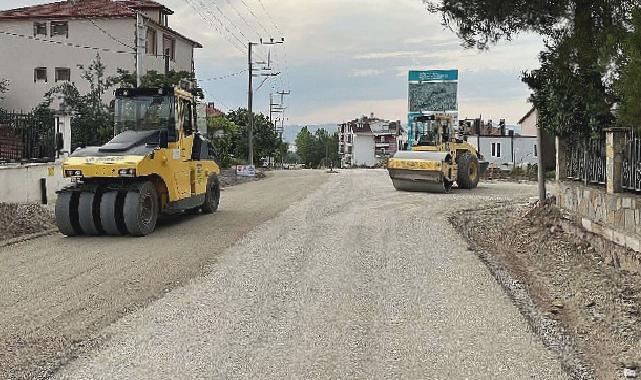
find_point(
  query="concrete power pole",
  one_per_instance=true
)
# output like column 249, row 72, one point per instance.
column 140, row 47
column 250, row 106
column 541, row 173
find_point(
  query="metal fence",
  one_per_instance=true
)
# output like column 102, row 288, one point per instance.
column 27, row 138
column 586, row 160
column 631, row 173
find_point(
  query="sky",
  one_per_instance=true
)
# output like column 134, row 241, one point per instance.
column 345, row 58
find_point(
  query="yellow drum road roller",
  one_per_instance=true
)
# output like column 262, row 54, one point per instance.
column 158, row 163
column 437, row 160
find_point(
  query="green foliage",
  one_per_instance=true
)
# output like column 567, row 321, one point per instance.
column 315, row 150
column 573, row 89
column 4, row 87
column 153, row 78
column 92, row 121
column 266, row 140
column 224, row 135
column 628, row 85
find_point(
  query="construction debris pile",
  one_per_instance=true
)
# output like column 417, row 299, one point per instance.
column 18, row 220
column 570, row 280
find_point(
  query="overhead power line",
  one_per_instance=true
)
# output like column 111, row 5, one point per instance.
column 256, row 17
column 224, row 76
column 66, row 44
column 269, row 16
column 214, row 25
column 110, row 35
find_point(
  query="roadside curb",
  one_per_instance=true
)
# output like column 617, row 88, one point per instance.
column 553, row 335
column 21, row 239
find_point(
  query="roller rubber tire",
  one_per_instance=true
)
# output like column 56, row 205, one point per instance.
column 468, row 171
column 89, row 213
column 212, row 197
column 67, row 213
column 111, row 215
column 141, row 210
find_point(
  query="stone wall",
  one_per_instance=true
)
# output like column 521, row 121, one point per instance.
column 616, row 217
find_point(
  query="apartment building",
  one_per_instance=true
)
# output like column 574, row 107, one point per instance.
column 368, row 141
column 49, row 44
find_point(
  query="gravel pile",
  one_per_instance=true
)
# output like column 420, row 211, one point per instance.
column 569, row 280
column 228, row 178
column 18, row 220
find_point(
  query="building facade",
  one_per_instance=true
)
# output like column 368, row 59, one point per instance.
column 502, row 146
column 368, row 141
column 54, row 43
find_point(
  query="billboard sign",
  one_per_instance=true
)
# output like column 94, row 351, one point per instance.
column 433, row 75
column 433, row 91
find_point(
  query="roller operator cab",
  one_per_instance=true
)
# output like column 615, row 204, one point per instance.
column 439, row 157
column 157, row 163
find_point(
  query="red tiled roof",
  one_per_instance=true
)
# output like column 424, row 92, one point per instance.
column 83, row 8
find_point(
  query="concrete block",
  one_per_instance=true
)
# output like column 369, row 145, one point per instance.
column 627, row 202
column 587, row 224
column 608, row 234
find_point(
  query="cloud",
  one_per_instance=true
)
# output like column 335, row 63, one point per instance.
column 364, row 73
column 348, row 57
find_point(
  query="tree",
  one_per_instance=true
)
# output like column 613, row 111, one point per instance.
column 583, row 38
column 153, row 78
column 266, row 140
column 92, row 121
column 4, row 87
column 628, row 84
column 319, row 149
column 224, row 135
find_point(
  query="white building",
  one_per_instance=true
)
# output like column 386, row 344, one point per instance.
column 47, row 44
column 368, row 141
column 500, row 145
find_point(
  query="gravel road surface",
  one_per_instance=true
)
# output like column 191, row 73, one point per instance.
column 57, row 294
column 356, row 281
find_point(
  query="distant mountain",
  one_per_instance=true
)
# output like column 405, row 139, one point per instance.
column 291, row 131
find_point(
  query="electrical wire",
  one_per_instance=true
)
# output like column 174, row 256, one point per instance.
column 66, row 44
column 110, row 35
column 242, row 18
column 256, row 17
column 213, row 25
column 269, row 16
column 224, row 76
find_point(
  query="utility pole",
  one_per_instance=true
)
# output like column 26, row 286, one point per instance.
column 250, row 105
column 140, row 47
column 250, row 92
column 541, row 173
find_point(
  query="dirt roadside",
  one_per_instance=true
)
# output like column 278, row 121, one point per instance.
column 59, row 293
column 593, row 305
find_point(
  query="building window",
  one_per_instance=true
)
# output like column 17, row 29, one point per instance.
column 39, row 29
column 169, row 47
column 40, row 74
column 63, row 74
column 59, row 28
column 496, row 150
column 536, row 151
column 150, row 42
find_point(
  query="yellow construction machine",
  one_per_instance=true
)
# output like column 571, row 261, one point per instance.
column 158, row 163
column 438, row 158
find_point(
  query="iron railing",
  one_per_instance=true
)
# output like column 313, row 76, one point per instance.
column 27, row 138
column 631, row 166
column 586, row 161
